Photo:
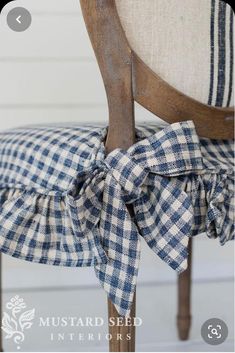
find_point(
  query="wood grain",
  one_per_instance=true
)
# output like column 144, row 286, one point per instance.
column 171, row 105
column 125, row 332
column 184, row 298
column 115, row 61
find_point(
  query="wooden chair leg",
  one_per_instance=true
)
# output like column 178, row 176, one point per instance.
column 1, row 345
column 184, row 298
column 122, row 337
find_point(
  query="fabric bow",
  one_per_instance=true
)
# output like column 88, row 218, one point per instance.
column 163, row 218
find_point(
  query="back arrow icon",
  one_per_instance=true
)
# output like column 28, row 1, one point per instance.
column 18, row 19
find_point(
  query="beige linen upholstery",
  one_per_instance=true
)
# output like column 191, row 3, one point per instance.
column 187, row 42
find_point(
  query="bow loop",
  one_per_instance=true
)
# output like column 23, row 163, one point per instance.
column 173, row 151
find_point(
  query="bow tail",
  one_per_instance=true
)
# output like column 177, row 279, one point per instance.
column 165, row 220
column 119, row 237
column 119, row 281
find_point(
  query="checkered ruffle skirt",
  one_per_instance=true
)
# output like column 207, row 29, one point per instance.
column 63, row 202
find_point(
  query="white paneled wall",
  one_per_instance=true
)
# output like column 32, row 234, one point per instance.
column 49, row 74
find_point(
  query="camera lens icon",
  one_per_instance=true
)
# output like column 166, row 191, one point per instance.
column 214, row 331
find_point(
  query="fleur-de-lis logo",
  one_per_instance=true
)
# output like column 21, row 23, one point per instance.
column 17, row 321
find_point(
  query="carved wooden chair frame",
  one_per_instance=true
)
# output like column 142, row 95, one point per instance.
column 127, row 79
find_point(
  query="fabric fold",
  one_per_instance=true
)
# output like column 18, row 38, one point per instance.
column 93, row 209
column 219, row 193
column 120, row 181
column 41, row 228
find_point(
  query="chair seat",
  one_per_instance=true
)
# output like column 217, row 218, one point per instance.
column 63, row 202
column 38, row 168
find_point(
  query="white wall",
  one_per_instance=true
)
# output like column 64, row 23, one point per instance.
column 49, row 72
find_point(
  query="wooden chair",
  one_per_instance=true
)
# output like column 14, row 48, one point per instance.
column 127, row 79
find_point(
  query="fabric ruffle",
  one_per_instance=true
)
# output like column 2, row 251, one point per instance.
column 220, row 199
column 213, row 201
column 42, row 227
column 212, row 198
column 63, row 202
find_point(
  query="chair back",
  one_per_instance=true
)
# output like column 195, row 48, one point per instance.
column 174, row 57
column 188, row 43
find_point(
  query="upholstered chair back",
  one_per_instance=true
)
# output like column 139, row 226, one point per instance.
column 188, row 43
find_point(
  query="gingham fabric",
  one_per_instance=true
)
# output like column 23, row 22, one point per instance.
column 64, row 202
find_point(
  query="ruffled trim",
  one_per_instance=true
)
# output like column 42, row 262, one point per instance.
column 213, row 201
column 53, row 234
column 42, row 240
column 220, row 198
column 61, row 244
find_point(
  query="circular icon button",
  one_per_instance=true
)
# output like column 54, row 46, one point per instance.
column 19, row 19
column 214, row 331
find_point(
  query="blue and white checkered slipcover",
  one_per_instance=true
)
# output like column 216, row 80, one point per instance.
column 64, row 202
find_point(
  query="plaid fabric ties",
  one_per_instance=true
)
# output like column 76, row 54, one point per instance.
column 63, row 202
column 163, row 219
